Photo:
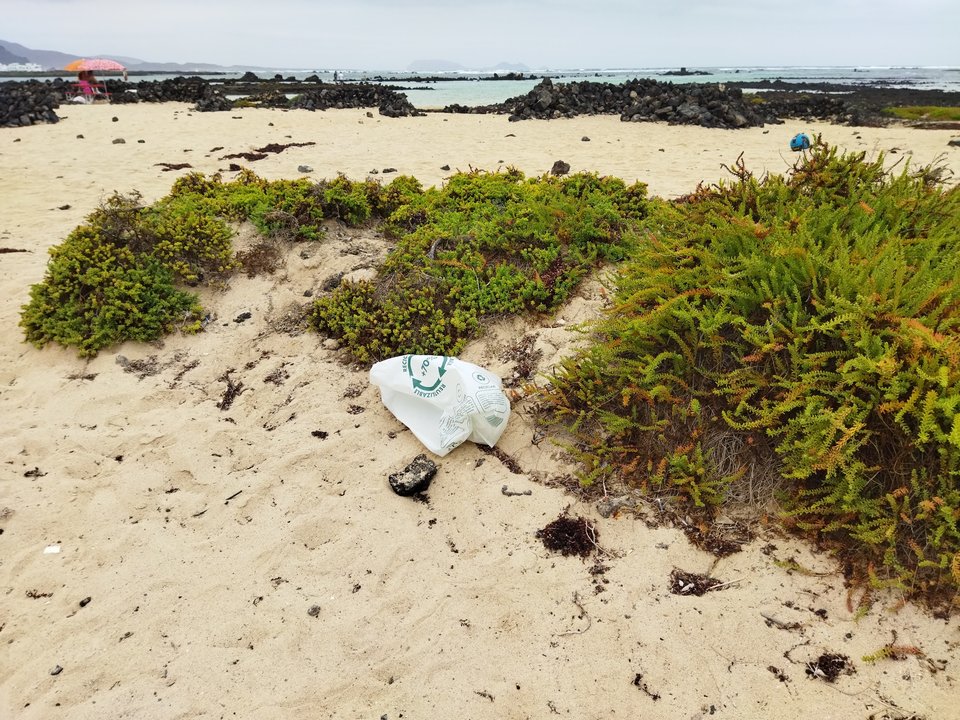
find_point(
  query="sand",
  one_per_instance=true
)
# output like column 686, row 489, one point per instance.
column 253, row 562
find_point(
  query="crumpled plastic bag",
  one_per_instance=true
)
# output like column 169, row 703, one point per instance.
column 444, row 401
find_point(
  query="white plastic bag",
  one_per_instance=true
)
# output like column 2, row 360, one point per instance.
column 443, row 401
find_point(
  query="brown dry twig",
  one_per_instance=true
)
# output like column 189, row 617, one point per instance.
column 583, row 614
column 772, row 621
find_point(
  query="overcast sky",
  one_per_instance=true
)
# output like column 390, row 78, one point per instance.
column 391, row 34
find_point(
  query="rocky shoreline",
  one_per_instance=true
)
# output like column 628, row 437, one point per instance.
column 705, row 104
column 32, row 102
column 711, row 104
column 634, row 101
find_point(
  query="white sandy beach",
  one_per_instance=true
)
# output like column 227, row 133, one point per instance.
column 238, row 565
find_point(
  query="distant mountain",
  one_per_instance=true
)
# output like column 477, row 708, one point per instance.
column 54, row 60
column 510, row 67
column 142, row 65
column 45, row 58
column 7, row 57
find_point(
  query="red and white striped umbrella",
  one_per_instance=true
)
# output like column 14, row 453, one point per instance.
column 101, row 64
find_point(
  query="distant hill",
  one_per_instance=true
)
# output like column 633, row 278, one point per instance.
column 48, row 59
column 54, row 60
column 510, row 67
column 185, row 67
column 11, row 52
column 7, row 57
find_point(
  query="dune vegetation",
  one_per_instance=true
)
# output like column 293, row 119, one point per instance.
column 799, row 334
column 925, row 112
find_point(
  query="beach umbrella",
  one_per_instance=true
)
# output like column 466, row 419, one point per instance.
column 96, row 64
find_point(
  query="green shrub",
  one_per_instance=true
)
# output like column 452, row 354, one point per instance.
column 924, row 112
column 812, row 319
column 290, row 209
column 485, row 244
column 402, row 190
column 115, row 277
column 346, row 200
column 190, row 243
column 423, row 320
column 96, row 294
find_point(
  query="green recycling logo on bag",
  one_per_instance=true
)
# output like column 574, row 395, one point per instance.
column 426, row 373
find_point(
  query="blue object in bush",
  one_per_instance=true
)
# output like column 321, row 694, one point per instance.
column 800, row 142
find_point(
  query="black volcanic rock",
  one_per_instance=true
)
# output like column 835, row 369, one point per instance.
column 183, row 89
column 415, row 477
column 711, row 104
column 683, row 72
column 28, row 103
column 360, row 95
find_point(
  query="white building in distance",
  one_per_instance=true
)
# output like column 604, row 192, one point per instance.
column 20, row 67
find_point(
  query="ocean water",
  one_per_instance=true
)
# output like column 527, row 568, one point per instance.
column 470, row 88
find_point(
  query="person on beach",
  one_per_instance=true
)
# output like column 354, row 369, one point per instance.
column 87, row 90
